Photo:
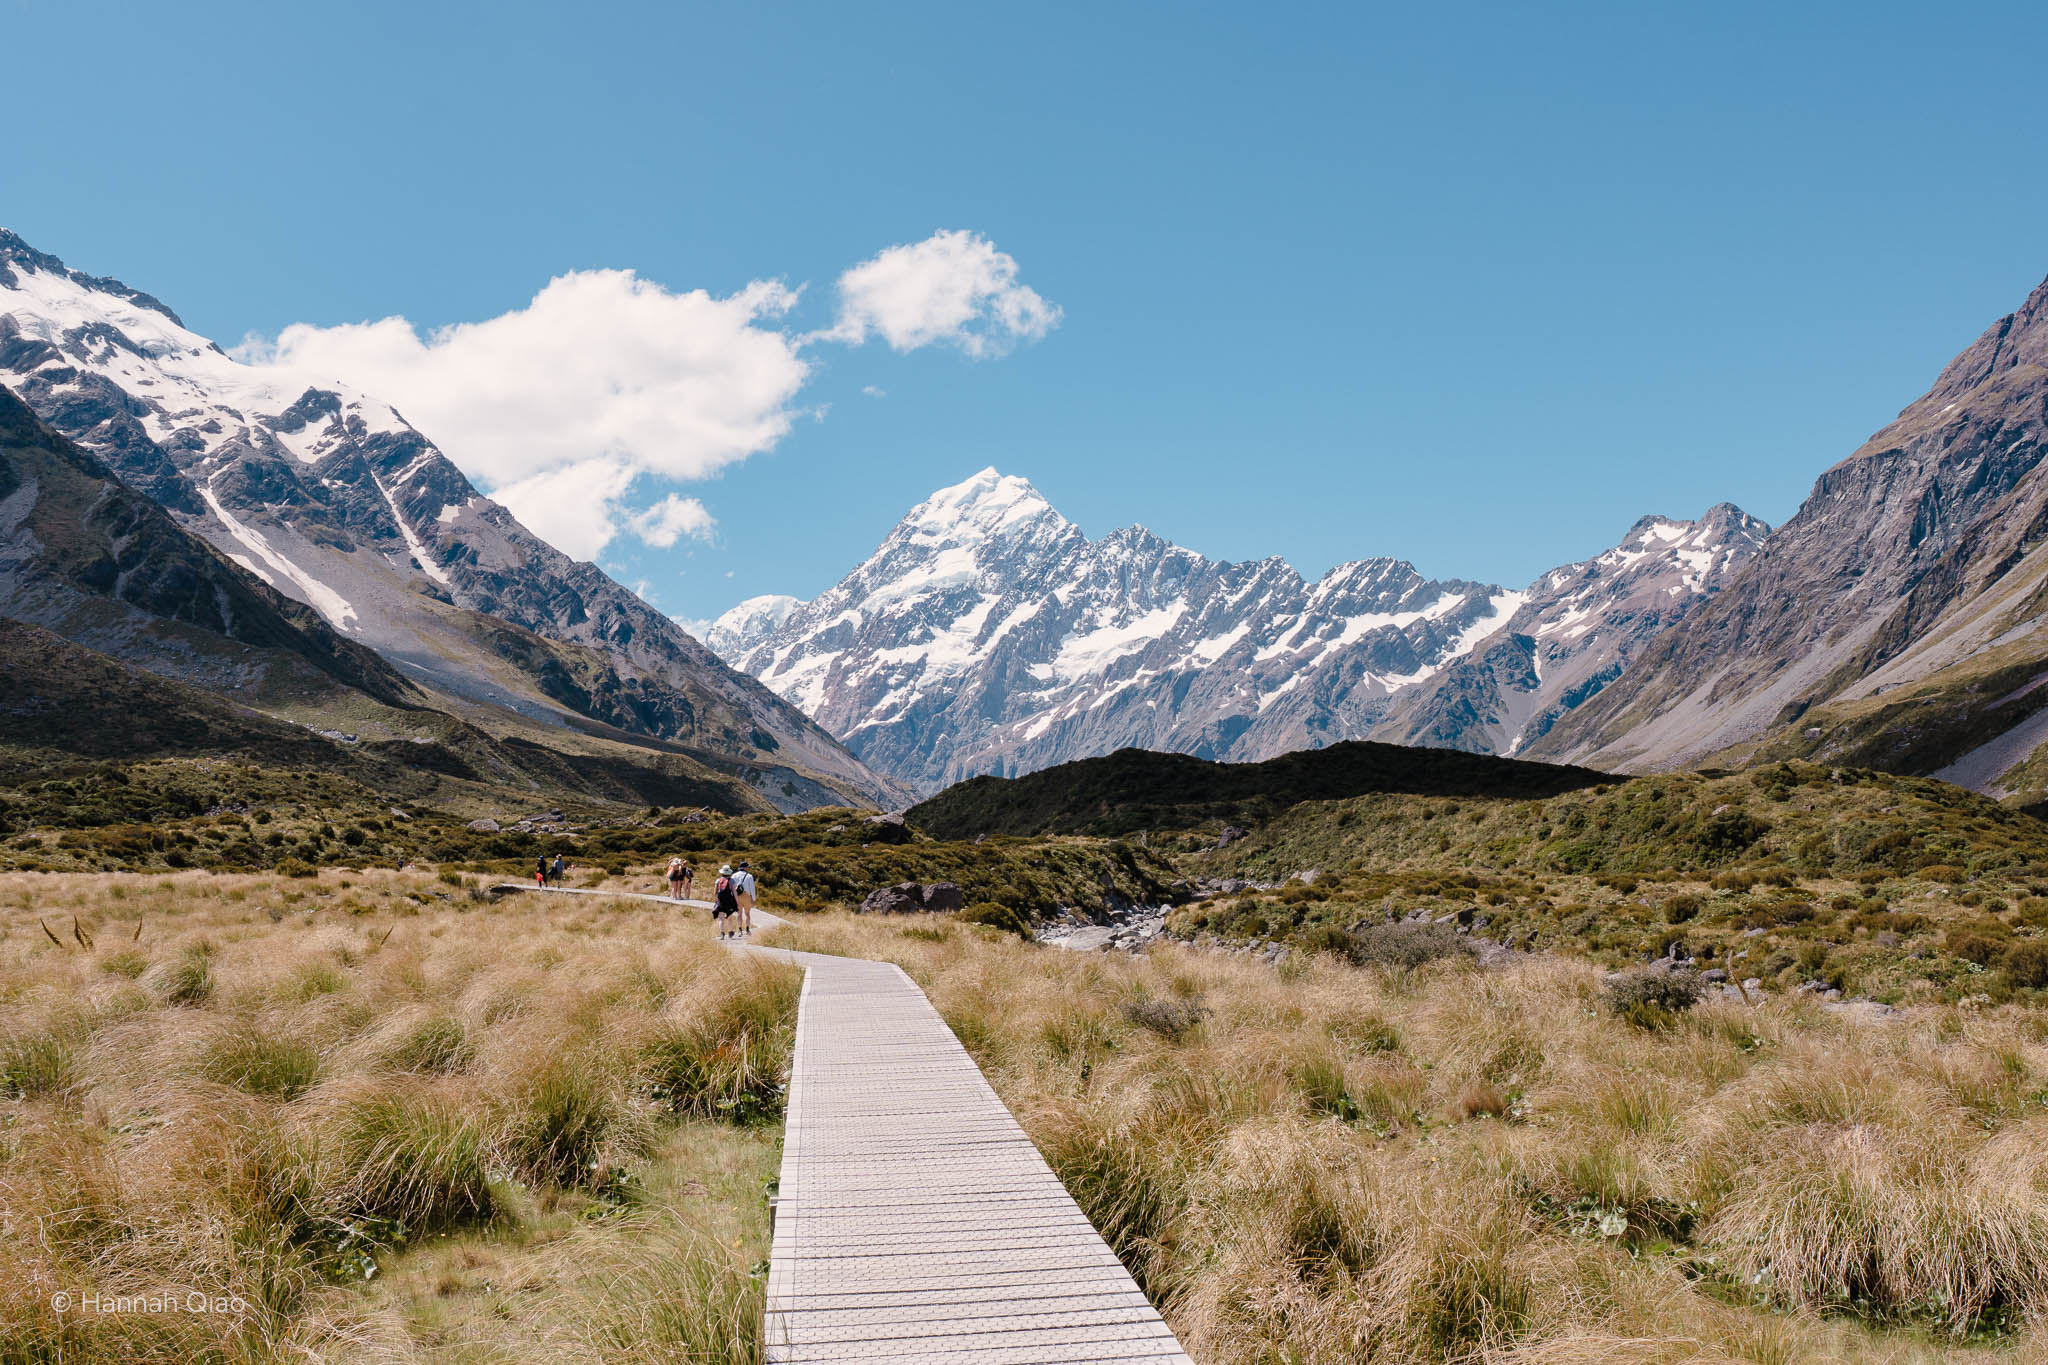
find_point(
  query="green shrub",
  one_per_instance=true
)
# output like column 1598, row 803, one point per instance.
column 567, row 1115
column 996, row 916
column 439, row 1045
column 417, row 1158
column 1172, row 1020
column 2027, row 963
column 296, row 867
column 1680, row 909
column 189, row 979
column 1406, row 945
column 1652, row 997
column 1971, row 945
column 247, row 1059
column 37, row 1065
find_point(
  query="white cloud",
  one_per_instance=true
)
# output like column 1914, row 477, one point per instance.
column 954, row 287
column 606, row 383
column 671, row 519
column 558, row 407
column 874, row 391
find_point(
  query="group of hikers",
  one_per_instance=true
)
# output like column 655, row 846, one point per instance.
column 732, row 894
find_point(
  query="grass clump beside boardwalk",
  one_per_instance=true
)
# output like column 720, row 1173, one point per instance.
column 389, row 1127
column 1444, row 1162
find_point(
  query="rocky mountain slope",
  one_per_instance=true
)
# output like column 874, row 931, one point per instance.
column 1899, row 620
column 988, row 634
column 332, row 499
column 1576, row 630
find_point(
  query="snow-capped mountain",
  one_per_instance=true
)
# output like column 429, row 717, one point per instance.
column 332, row 498
column 989, row 634
column 1899, row 620
column 1579, row 626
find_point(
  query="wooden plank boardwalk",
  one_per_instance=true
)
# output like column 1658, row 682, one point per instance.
column 915, row 1221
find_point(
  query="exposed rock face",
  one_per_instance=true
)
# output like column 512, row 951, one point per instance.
column 906, row 898
column 1577, row 630
column 989, row 634
column 942, row 896
column 1900, row 620
column 332, row 499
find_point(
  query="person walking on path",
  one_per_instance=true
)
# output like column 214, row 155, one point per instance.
column 725, row 903
column 556, row 871
column 675, row 879
column 689, row 878
column 540, row 870
column 743, row 894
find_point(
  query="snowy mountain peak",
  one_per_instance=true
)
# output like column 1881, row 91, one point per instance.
column 988, row 634
column 990, row 504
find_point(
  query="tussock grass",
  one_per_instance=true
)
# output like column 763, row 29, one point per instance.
column 369, row 1117
column 1437, row 1162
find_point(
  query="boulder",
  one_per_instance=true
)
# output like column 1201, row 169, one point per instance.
column 905, row 898
column 484, row 826
column 888, row 829
column 1230, row 835
column 939, row 896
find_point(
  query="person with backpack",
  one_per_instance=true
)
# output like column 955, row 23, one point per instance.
column 555, row 872
column 689, row 878
column 743, row 896
column 675, row 879
column 540, row 870
column 725, row 903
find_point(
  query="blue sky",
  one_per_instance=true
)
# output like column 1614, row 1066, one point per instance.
column 1473, row 285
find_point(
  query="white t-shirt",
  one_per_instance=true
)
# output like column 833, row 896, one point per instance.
column 743, row 883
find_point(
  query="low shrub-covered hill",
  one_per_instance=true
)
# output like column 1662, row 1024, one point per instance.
column 1136, row 789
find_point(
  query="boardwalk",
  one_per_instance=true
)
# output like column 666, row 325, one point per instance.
column 916, row 1222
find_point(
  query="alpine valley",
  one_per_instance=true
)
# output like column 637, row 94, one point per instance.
column 297, row 550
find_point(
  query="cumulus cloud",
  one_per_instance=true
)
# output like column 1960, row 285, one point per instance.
column 560, row 406
column 669, row 520
column 953, row 287
column 576, row 409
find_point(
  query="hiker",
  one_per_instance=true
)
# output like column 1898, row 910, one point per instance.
column 540, row 870
column 689, row 877
column 556, row 870
column 725, row 903
column 743, row 895
column 675, row 879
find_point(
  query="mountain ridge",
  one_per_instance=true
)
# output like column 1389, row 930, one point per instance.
column 987, row 633
column 331, row 498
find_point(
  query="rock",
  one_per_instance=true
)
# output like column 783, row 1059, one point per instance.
column 888, row 829
column 484, row 826
column 942, row 896
column 1714, row 975
column 1308, row 878
column 695, row 818
column 905, row 898
column 1094, row 938
column 398, row 814
column 1753, row 983
column 836, row 829
column 1230, row 835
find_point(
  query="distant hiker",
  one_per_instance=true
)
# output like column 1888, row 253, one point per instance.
column 540, row 870
column 725, row 903
column 689, row 877
column 675, row 879
column 743, row 894
column 556, row 870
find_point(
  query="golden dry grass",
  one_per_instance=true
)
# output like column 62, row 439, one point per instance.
column 382, row 1121
column 1324, row 1164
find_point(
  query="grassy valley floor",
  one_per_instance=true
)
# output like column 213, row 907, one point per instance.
column 364, row 1118
column 1323, row 1163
